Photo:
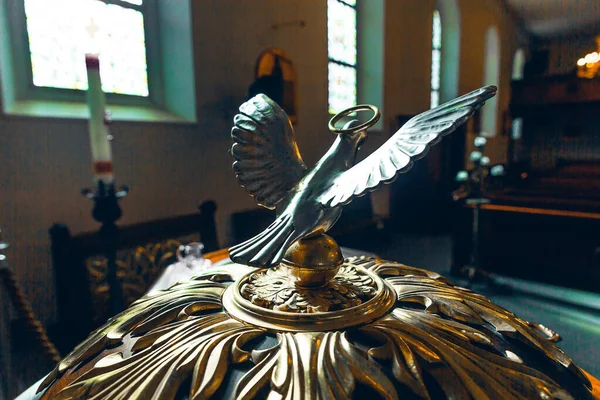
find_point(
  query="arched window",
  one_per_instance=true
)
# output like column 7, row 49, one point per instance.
column 436, row 59
column 517, row 129
column 518, row 68
column 489, row 113
column 57, row 49
column 518, row 65
column 341, row 40
column 450, row 64
column 275, row 76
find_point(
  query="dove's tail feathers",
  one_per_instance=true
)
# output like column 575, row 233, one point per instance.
column 267, row 248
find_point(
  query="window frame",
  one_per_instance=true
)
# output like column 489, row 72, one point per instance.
column 342, row 63
column 23, row 74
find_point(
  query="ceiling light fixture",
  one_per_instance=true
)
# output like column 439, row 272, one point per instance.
column 589, row 66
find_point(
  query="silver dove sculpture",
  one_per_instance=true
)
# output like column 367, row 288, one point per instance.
column 269, row 166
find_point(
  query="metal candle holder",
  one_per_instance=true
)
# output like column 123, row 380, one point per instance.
column 107, row 211
column 473, row 184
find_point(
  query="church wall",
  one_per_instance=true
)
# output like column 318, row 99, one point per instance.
column 563, row 133
column 408, row 57
column 170, row 168
column 225, row 59
column 477, row 16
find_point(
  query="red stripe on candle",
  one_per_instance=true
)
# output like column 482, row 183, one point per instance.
column 92, row 61
column 103, row 167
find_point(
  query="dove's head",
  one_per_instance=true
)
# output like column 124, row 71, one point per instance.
column 354, row 132
column 356, row 137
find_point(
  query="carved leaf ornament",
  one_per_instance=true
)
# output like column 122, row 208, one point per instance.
column 439, row 341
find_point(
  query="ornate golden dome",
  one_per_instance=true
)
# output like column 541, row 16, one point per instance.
column 435, row 340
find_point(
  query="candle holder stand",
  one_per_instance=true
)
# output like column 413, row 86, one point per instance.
column 107, row 211
column 473, row 185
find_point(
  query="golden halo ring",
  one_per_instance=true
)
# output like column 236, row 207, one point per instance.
column 361, row 107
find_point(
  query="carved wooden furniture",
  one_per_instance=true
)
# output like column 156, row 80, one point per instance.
column 544, row 224
column 356, row 227
column 421, row 200
column 145, row 249
column 247, row 223
column 544, row 244
column 558, row 89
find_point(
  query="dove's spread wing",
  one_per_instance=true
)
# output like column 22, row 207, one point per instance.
column 267, row 159
column 409, row 143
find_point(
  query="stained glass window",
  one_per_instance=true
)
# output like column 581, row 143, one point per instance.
column 341, row 38
column 61, row 32
column 436, row 59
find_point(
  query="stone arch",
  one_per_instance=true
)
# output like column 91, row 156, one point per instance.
column 275, row 76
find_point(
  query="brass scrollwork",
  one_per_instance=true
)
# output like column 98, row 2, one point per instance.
column 275, row 289
column 439, row 340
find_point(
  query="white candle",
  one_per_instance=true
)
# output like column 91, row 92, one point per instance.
column 99, row 133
